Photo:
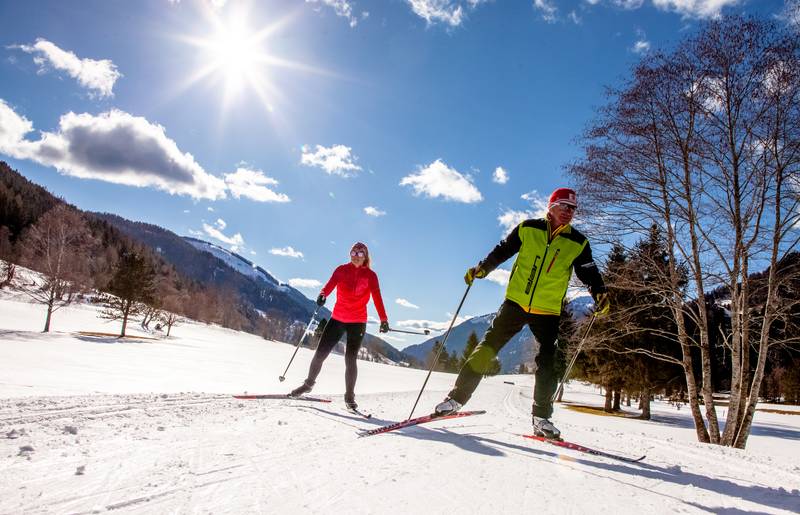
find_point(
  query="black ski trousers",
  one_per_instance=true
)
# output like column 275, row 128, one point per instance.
column 509, row 321
column 330, row 337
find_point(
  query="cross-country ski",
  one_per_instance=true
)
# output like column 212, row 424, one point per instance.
column 417, row 421
column 577, row 447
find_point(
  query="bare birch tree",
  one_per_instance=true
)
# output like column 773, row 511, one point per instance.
column 58, row 247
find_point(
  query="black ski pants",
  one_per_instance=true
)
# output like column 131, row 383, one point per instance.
column 330, row 337
column 509, row 321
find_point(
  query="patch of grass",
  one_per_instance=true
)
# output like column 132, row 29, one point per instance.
column 595, row 410
column 104, row 335
column 778, row 411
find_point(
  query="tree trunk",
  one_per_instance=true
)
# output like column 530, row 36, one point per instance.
column 125, row 311
column 47, row 318
column 644, row 402
column 50, row 302
column 609, row 400
column 616, row 402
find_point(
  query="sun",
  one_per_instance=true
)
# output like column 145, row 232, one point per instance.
column 234, row 60
column 237, row 55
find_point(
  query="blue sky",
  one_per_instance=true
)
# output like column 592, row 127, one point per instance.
column 288, row 130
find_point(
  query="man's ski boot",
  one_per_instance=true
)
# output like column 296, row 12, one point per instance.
column 350, row 402
column 544, row 428
column 447, row 407
column 302, row 389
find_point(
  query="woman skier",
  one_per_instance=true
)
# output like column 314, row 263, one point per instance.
column 354, row 283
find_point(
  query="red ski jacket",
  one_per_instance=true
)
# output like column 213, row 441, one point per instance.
column 354, row 285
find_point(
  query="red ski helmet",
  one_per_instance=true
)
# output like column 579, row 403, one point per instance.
column 563, row 196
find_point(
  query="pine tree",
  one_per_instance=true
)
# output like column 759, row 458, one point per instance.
column 472, row 342
column 133, row 284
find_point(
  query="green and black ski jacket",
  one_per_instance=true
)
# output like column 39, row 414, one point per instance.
column 544, row 265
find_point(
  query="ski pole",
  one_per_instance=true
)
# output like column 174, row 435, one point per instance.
column 302, row 337
column 574, row 358
column 427, row 331
column 436, row 359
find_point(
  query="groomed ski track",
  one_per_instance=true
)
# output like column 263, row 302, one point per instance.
column 211, row 453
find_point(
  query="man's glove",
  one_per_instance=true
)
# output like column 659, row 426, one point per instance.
column 321, row 300
column 476, row 272
column 602, row 304
column 384, row 326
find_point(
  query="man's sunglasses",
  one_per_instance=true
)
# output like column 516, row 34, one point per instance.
column 358, row 253
column 564, row 205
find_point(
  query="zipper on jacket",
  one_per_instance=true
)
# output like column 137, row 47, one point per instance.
column 530, row 277
column 530, row 300
column 553, row 261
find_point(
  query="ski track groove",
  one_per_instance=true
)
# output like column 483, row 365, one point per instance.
column 81, row 410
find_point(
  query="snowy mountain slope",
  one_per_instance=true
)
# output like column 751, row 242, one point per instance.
column 234, row 260
column 94, row 424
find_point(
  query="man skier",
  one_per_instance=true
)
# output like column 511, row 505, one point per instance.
column 549, row 249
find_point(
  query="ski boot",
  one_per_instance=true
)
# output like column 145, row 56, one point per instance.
column 302, row 389
column 544, row 428
column 447, row 407
column 350, row 402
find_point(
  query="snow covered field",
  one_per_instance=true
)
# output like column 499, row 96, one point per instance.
column 90, row 424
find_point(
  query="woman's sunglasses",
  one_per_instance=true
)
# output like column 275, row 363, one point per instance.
column 358, row 253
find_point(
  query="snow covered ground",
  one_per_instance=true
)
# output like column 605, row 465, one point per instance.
column 90, row 424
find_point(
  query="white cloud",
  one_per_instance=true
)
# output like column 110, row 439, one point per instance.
column 439, row 180
column 449, row 12
column 510, row 218
column 253, row 184
column 337, row 160
column 629, row 4
column 374, row 211
column 573, row 16
column 114, row 147
column 286, row 252
column 695, row 8
column 234, row 241
column 641, row 46
column 13, row 129
column 548, row 10
column 500, row 276
column 97, row 76
column 221, row 224
column 308, row 284
column 342, row 8
column 406, row 304
column 431, row 324
column 186, row 211
column 500, row 176
column 210, row 209
column 537, row 201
